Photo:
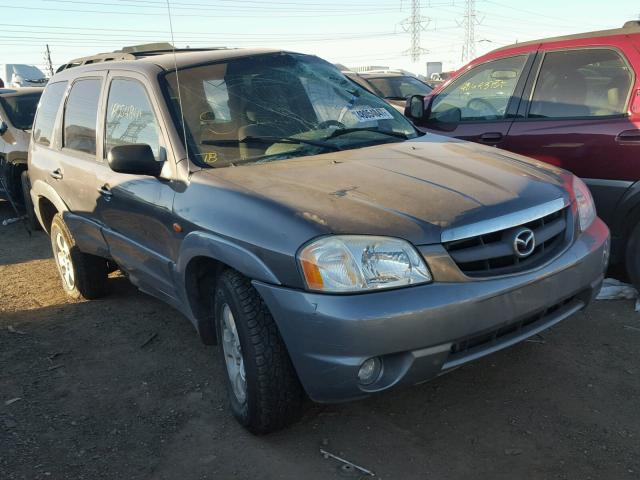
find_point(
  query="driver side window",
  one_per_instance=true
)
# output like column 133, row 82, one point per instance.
column 481, row 94
column 130, row 117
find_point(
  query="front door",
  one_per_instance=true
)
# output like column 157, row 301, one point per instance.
column 577, row 119
column 480, row 104
column 136, row 210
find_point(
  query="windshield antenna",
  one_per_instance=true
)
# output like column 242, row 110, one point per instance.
column 175, row 63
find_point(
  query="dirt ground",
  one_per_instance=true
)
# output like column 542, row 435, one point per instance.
column 122, row 388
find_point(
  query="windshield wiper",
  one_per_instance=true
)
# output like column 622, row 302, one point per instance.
column 345, row 131
column 273, row 140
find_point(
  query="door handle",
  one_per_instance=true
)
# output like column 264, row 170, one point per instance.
column 105, row 191
column 491, row 137
column 629, row 137
column 57, row 174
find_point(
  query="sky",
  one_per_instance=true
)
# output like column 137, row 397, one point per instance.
column 352, row 32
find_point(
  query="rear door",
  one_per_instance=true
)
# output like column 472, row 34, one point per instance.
column 576, row 116
column 45, row 141
column 76, row 171
column 479, row 105
column 136, row 210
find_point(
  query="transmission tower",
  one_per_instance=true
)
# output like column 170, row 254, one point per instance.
column 469, row 22
column 47, row 61
column 415, row 24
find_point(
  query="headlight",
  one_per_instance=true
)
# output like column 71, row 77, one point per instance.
column 353, row 263
column 586, row 207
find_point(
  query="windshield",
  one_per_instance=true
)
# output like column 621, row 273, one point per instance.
column 400, row 87
column 277, row 106
column 21, row 109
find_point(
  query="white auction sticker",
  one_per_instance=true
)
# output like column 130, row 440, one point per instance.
column 368, row 114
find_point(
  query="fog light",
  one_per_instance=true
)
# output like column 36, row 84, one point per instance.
column 370, row 371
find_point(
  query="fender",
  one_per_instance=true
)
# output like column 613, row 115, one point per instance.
column 203, row 244
column 627, row 215
column 215, row 247
column 42, row 189
column 625, row 207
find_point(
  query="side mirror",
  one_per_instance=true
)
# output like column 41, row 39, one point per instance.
column 136, row 159
column 3, row 127
column 414, row 108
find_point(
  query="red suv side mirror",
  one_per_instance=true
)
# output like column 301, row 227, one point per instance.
column 414, row 108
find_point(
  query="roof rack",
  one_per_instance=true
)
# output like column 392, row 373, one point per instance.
column 131, row 53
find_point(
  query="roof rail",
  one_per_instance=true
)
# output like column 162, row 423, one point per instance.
column 630, row 27
column 131, row 53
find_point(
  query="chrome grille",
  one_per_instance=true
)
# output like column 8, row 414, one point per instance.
column 493, row 253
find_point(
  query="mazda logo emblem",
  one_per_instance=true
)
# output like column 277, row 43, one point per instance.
column 524, row 243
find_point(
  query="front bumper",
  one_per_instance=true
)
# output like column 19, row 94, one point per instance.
column 422, row 331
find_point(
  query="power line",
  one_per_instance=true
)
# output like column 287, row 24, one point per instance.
column 208, row 33
column 224, row 15
column 233, row 8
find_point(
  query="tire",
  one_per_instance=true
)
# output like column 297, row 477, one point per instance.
column 273, row 395
column 632, row 256
column 82, row 275
column 32, row 220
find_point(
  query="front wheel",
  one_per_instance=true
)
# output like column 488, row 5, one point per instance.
column 632, row 255
column 264, row 391
column 82, row 275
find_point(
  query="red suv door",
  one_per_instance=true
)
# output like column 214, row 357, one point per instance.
column 479, row 104
column 576, row 115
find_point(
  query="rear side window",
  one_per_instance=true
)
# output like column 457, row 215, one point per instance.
column 130, row 117
column 81, row 115
column 47, row 112
column 581, row 83
column 482, row 93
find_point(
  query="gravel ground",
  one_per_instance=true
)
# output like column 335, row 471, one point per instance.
column 122, row 388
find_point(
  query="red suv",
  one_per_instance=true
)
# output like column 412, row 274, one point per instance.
column 571, row 101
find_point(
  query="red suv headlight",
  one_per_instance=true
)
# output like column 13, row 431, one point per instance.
column 584, row 201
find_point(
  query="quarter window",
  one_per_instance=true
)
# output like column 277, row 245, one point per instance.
column 47, row 112
column 581, row 83
column 130, row 117
column 81, row 115
column 481, row 94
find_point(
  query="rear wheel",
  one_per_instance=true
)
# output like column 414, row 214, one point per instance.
column 633, row 256
column 82, row 275
column 264, row 391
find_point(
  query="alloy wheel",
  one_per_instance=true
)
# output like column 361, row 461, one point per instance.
column 64, row 262
column 233, row 355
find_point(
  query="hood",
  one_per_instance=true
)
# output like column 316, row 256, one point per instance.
column 412, row 190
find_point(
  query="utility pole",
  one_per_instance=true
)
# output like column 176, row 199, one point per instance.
column 415, row 24
column 469, row 23
column 47, row 60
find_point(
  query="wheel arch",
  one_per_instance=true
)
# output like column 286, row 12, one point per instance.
column 203, row 256
column 46, row 203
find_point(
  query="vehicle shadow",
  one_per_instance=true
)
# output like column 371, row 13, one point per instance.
column 17, row 245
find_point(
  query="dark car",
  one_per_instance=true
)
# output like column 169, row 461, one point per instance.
column 303, row 223
column 17, row 110
column 394, row 87
column 569, row 101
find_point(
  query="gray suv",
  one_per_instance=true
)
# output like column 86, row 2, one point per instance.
column 303, row 224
